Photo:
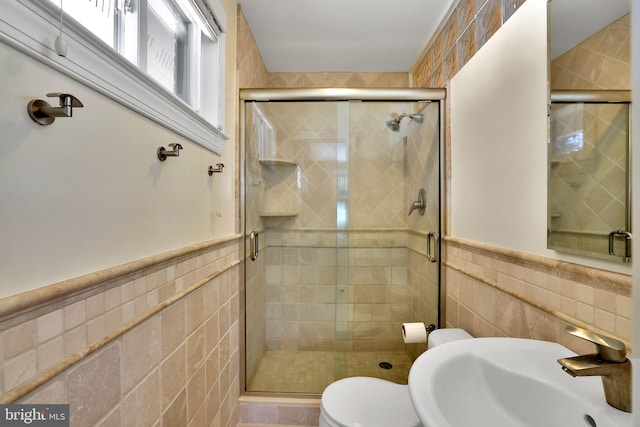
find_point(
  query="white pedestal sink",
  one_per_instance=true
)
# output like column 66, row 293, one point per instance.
column 506, row 382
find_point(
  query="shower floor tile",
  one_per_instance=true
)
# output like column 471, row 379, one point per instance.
column 313, row 371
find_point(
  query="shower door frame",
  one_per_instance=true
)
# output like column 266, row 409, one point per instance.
column 331, row 94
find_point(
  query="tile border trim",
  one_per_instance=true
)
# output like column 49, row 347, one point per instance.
column 621, row 284
column 33, row 299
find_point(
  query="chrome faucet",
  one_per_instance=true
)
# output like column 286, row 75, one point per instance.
column 609, row 362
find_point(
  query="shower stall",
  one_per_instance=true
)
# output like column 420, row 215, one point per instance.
column 335, row 261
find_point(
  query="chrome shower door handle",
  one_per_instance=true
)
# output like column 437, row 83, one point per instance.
column 253, row 245
column 627, row 243
column 432, row 240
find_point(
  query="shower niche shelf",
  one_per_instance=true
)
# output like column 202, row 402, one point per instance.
column 279, row 214
column 270, row 163
column 281, row 169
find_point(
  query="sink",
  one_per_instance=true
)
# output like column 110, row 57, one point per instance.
column 506, row 382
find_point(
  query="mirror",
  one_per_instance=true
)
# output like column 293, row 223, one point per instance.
column 588, row 205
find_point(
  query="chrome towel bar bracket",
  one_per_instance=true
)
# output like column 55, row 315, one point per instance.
column 44, row 114
column 163, row 153
column 217, row 169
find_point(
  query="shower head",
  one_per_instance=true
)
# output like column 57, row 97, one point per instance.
column 394, row 124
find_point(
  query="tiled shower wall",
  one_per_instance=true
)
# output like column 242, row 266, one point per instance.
column 603, row 61
column 154, row 342
column 303, row 302
column 299, row 289
column 423, row 171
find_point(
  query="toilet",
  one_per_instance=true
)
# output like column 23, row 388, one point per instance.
column 372, row 402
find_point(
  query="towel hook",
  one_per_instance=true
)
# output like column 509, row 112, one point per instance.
column 217, row 169
column 163, row 153
column 44, row 114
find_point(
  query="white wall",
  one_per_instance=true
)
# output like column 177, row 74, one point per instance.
column 499, row 140
column 498, row 134
column 88, row 192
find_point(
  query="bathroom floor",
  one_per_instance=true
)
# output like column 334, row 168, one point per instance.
column 312, row 371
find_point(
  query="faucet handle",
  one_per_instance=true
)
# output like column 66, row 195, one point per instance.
column 608, row 348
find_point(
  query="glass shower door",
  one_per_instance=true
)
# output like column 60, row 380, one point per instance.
column 291, row 177
column 340, row 265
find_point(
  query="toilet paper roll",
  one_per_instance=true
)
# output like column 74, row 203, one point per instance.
column 414, row 332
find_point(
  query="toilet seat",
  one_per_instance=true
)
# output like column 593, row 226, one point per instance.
column 367, row 402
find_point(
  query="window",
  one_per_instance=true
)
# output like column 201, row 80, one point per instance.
column 162, row 58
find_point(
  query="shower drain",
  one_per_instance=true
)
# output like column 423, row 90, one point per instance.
column 385, row 365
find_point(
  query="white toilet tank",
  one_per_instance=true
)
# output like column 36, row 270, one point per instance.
column 443, row 336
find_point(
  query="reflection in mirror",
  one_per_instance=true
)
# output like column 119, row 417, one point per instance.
column 590, row 44
column 588, row 182
column 588, row 169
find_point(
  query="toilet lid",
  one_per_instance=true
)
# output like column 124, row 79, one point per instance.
column 368, row 402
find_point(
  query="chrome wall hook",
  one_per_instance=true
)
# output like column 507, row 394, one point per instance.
column 44, row 114
column 163, row 153
column 217, row 169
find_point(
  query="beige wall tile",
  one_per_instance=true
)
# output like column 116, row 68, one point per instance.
column 20, row 369
column 172, row 324
column 102, row 371
column 74, row 315
column 195, row 350
column 528, row 310
column 141, row 407
column 175, row 413
column 141, row 349
column 173, row 374
column 50, row 325
column 54, row 393
column 50, row 353
column 19, row 339
column 624, row 306
column 194, row 309
column 95, row 306
column 96, row 329
column 196, row 393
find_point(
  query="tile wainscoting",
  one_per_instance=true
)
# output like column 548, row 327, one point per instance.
column 152, row 342
column 496, row 292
